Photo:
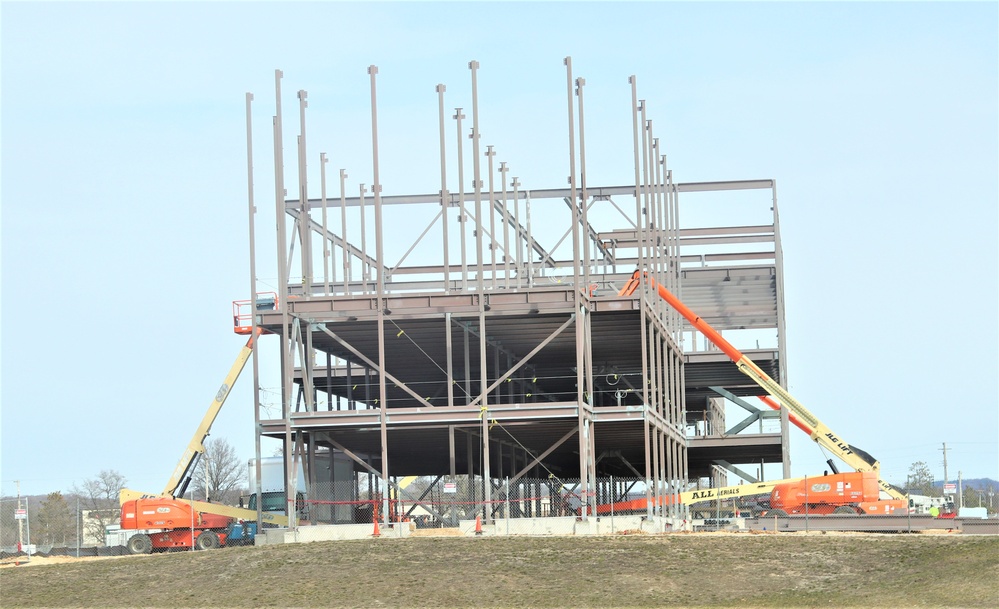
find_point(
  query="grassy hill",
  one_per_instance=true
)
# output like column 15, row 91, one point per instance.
column 702, row 570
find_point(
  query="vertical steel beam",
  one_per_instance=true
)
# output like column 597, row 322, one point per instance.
column 365, row 265
column 499, row 389
column 307, row 357
column 376, row 188
column 506, row 228
column 656, row 470
column 329, row 384
column 530, row 239
column 684, row 463
column 658, row 223
column 470, row 460
column 587, row 335
column 473, row 66
column 326, row 240
column 283, row 262
column 580, row 82
column 304, row 219
column 636, row 108
column 646, row 242
column 445, row 200
column 781, row 339
column 253, row 296
column 343, row 231
column 450, row 446
column 671, row 255
column 449, row 349
column 677, row 271
column 468, row 364
column 461, row 201
column 519, row 259
column 490, row 153
column 351, row 404
column 584, row 440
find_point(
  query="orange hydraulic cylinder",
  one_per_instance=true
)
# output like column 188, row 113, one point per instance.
column 703, row 326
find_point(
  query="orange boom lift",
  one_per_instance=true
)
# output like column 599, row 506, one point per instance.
column 800, row 416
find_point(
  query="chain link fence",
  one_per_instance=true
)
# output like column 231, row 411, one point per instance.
column 523, row 506
column 28, row 529
column 464, row 505
column 554, row 506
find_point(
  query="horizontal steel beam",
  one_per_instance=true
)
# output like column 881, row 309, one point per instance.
column 762, row 439
column 439, row 416
column 867, row 523
column 596, row 192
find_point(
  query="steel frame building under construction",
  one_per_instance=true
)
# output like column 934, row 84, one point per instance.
column 494, row 344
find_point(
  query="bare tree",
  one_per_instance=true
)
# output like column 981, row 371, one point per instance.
column 99, row 502
column 226, row 473
column 921, row 478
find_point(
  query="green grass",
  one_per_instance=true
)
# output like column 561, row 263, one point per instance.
column 625, row 571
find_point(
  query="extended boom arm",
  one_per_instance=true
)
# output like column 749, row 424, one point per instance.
column 798, row 414
column 177, row 485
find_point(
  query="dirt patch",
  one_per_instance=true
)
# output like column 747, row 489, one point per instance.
column 448, row 532
column 37, row 561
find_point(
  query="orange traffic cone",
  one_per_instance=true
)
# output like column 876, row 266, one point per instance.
column 377, row 531
column 478, row 525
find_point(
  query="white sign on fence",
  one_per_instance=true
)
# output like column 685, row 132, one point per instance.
column 20, row 514
column 450, row 487
column 949, row 489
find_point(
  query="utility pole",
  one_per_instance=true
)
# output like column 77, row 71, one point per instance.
column 21, row 514
column 20, row 521
column 960, row 491
column 944, row 449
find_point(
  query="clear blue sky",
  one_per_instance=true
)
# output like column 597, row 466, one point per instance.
column 124, row 192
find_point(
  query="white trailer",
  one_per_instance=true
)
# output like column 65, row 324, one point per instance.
column 317, row 504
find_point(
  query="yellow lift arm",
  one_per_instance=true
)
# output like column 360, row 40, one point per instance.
column 692, row 497
column 178, row 482
column 727, row 492
column 856, row 458
column 181, row 476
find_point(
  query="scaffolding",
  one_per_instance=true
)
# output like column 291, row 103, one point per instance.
column 478, row 335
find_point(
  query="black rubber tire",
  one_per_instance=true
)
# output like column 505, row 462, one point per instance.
column 207, row 540
column 140, row 544
column 845, row 510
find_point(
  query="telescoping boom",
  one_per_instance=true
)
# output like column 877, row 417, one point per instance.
column 856, row 458
column 165, row 520
column 181, row 477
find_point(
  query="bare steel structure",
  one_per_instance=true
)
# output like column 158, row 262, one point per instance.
column 480, row 333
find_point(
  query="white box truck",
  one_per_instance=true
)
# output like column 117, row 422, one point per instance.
column 316, row 504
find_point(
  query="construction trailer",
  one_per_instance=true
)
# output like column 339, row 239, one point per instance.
column 476, row 334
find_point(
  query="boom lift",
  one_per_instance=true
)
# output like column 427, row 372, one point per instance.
column 638, row 505
column 165, row 520
column 846, row 493
column 856, row 458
